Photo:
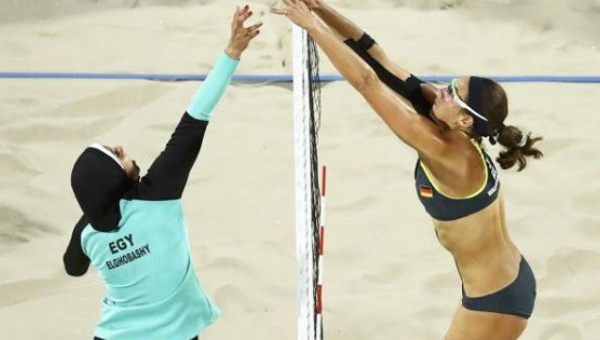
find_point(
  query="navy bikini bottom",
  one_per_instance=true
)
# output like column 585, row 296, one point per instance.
column 516, row 299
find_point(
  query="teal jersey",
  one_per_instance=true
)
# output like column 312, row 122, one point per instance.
column 134, row 234
column 151, row 285
column 144, row 257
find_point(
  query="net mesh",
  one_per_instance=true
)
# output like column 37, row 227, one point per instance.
column 314, row 93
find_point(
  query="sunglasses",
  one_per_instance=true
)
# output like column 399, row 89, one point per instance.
column 457, row 100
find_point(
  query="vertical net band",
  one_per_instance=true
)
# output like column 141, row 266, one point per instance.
column 307, row 117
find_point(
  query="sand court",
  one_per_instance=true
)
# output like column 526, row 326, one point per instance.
column 386, row 277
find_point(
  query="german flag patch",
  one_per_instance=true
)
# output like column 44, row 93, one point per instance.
column 425, row 191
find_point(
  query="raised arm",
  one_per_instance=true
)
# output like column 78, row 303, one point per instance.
column 168, row 174
column 420, row 94
column 347, row 29
column 417, row 131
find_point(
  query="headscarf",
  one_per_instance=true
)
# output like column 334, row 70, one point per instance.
column 98, row 180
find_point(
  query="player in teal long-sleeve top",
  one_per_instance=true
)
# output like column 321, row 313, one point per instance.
column 132, row 229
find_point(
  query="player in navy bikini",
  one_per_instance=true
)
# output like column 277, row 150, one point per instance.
column 456, row 180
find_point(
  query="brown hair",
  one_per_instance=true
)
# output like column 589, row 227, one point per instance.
column 517, row 145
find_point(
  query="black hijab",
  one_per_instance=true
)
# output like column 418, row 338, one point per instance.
column 99, row 181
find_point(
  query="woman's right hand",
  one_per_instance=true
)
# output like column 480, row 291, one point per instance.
column 240, row 35
column 298, row 13
column 311, row 4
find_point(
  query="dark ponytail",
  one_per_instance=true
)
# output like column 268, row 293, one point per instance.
column 517, row 147
column 493, row 103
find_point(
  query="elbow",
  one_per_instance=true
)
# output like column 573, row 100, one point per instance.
column 75, row 272
column 74, row 268
column 366, row 80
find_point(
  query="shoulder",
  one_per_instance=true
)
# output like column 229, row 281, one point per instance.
column 454, row 151
column 447, row 144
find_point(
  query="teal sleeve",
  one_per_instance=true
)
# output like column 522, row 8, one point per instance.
column 212, row 89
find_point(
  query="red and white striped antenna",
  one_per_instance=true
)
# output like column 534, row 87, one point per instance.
column 321, row 251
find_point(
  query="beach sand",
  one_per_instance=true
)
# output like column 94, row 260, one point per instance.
column 386, row 277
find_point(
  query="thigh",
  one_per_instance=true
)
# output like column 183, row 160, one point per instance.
column 475, row 325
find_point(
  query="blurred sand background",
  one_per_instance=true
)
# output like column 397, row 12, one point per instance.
column 385, row 275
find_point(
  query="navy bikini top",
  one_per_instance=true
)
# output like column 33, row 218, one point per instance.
column 438, row 205
column 445, row 208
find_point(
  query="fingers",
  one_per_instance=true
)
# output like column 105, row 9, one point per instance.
column 253, row 30
column 289, row 4
column 278, row 11
column 236, row 14
column 240, row 18
column 292, row 7
column 245, row 9
column 250, row 30
column 255, row 27
column 241, row 15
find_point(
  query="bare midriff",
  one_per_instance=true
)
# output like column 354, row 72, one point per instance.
column 486, row 258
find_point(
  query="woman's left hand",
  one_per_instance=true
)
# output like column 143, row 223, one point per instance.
column 298, row 13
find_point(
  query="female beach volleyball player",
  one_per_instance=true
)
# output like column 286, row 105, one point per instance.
column 132, row 229
column 456, row 180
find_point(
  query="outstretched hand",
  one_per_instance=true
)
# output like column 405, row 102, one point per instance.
column 240, row 35
column 311, row 4
column 298, row 13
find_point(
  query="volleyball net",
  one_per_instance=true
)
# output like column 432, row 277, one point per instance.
column 309, row 196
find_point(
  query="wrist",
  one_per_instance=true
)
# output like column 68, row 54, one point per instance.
column 213, row 87
column 315, row 29
column 233, row 53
